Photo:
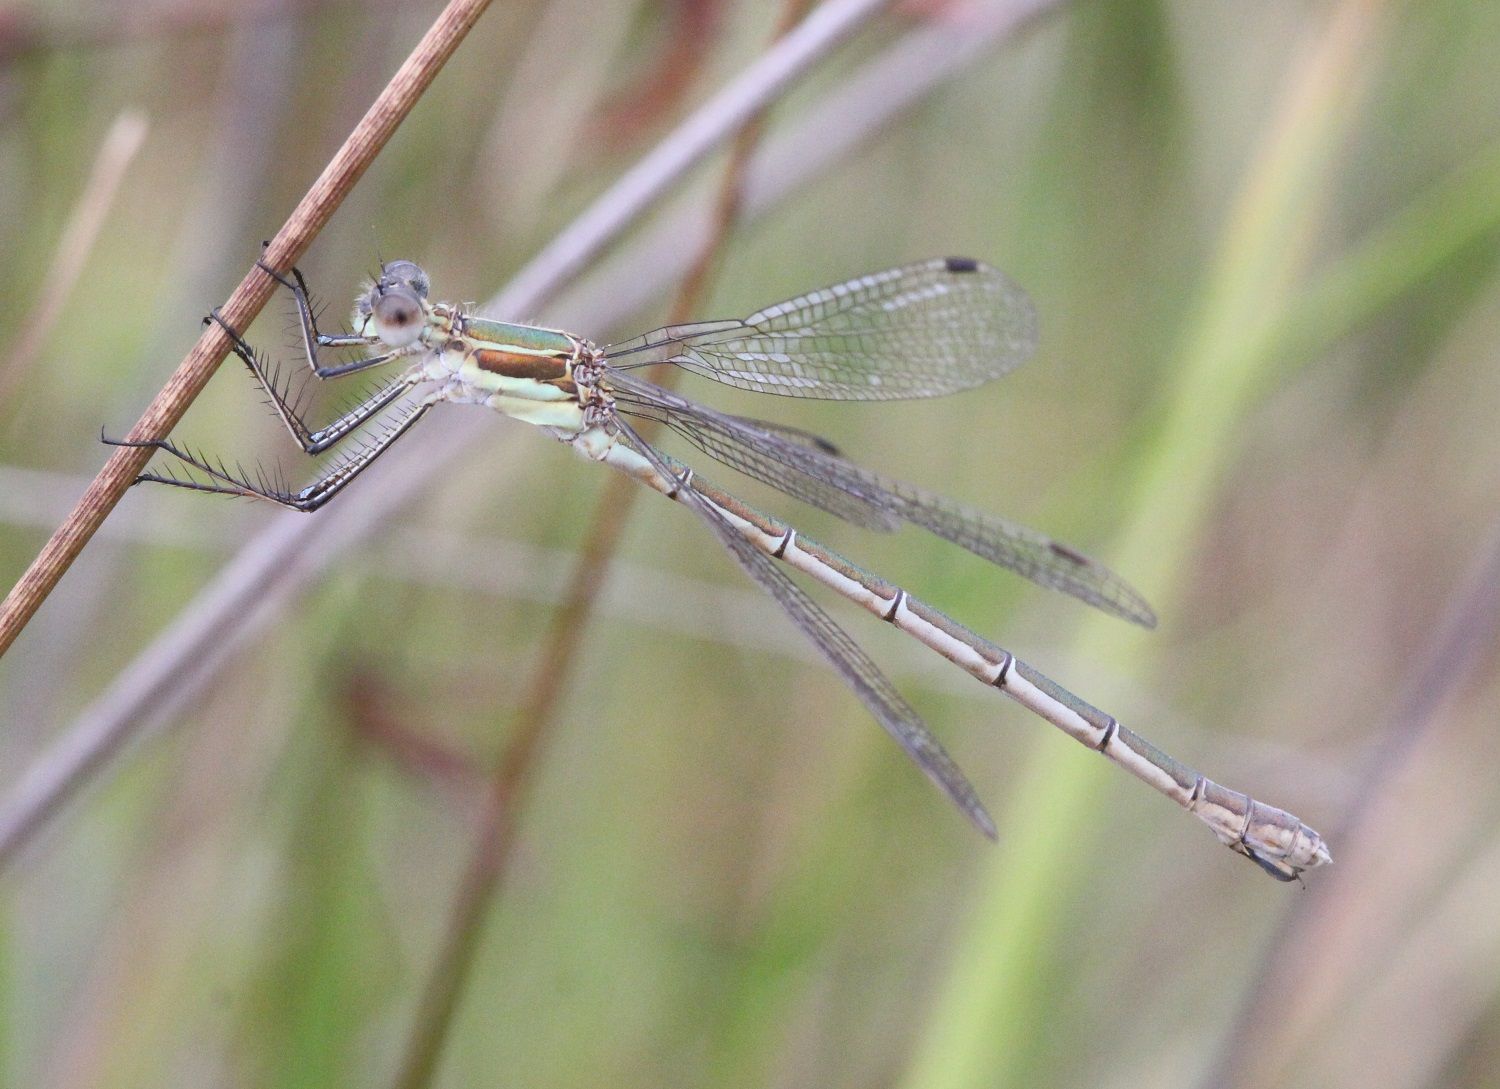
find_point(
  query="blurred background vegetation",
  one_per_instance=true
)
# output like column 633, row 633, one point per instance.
column 1262, row 242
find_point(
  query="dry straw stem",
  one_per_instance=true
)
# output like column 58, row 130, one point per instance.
column 641, row 186
column 246, row 301
column 264, row 576
column 510, row 782
column 655, row 597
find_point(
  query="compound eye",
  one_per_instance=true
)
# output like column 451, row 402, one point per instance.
column 398, row 317
column 408, row 273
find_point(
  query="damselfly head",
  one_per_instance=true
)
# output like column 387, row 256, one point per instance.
column 393, row 307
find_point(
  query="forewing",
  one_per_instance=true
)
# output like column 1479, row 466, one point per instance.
column 738, row 452
column 922, row 330
column 805, row 471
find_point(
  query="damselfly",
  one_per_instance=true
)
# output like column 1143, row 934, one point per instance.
column 923, row 330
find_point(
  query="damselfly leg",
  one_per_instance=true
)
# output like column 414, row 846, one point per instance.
column 306, row 499
column 312, row 339
column 223, row 481
column 315, row 442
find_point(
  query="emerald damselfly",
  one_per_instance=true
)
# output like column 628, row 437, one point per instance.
column 922, row 330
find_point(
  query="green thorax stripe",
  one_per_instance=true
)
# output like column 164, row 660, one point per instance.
column 521, row 339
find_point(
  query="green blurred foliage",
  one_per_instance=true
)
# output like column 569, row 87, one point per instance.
column 1265, row 393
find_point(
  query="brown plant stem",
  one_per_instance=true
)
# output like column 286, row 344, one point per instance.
column 307, row 219
column 508, row 788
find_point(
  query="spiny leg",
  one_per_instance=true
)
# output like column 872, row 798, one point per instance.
column 315, row 442
column 309, row 498
column 312, row 339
